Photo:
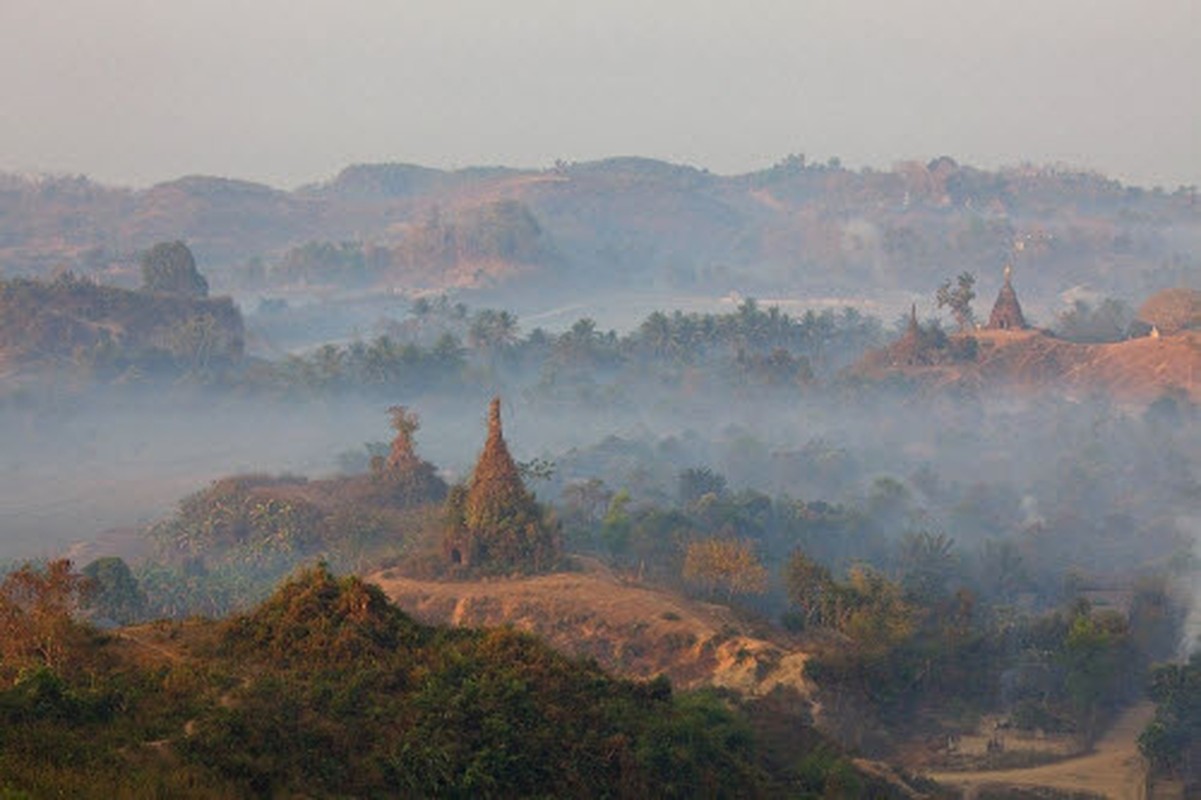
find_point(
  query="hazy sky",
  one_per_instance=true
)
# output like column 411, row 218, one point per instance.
column 290, row 91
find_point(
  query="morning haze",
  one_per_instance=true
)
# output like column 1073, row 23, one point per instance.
column 286, row 93
column 840, row 437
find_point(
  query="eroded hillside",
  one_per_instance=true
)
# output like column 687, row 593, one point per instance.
column 632, row 629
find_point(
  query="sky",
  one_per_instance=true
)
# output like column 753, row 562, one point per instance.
column 289, row 92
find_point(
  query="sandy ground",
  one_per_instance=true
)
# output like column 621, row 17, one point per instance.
column 632, row 629
column 1113, row 769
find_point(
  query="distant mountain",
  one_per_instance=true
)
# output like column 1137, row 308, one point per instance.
column 623, row 223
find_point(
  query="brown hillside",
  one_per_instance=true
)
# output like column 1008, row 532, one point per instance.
column 1137, row 370
column 633, row 630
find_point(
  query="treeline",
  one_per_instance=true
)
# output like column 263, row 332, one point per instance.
column 114, row 336
column 441, row 343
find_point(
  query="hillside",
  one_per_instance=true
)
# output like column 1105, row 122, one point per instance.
column 326, row 689
column 633, row 629
column 75, row 320
column 1136, row 370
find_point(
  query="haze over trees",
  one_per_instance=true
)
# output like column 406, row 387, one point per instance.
column 798, row 226
column 950, row 527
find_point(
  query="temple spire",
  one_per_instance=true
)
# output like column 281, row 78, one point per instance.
column 494, row 428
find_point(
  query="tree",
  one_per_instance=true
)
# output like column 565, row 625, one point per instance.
column 959, row 299
column 170, row 268
column 616, row 524
column 492, row 331
column 113, row 592
column 1172, row 310
column 725, row 564
column 404, row 478
column 811, row 588
column 37, row 608
column 696, row 482
column 928, row 563
column 1107, row 322
column 1172, row 742
column 402, row 454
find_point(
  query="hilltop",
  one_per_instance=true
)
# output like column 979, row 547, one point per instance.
column 74, row 320
column 1135, row 370
column 632, row 629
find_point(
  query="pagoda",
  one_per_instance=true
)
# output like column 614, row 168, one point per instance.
column 1007, row 311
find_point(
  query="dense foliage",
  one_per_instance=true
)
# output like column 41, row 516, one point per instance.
column 1172, row 742
column 326, row 689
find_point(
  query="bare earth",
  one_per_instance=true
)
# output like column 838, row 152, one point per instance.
column 630, row 629
column 1114, row 768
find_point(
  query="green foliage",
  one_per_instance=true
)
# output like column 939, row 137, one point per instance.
column 958, row 299
column 317, row 618
column 326, row 689
column 1100, row 666
column 236, row 520
column 228, row 544
column 1172, row 742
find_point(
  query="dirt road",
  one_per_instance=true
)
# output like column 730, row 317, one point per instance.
column 1113, row 769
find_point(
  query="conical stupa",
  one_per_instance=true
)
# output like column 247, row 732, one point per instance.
column 1007, row 311
column 494, row 523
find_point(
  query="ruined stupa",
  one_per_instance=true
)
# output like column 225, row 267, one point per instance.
column 1007, row 311
column 494, row 522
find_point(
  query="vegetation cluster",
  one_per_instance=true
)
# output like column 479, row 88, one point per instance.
column 327, row 689
column 114, row 334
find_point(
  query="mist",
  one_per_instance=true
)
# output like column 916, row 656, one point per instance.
column 1083, row 485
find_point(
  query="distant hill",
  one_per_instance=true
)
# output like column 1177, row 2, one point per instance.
column 631, row 223
column 77, row 321
column 1136, row 370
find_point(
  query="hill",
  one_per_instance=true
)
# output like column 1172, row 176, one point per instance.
column 72, row 319
column 326, row 689
column 1136, row 370
column 796, row 227
column 634, row 630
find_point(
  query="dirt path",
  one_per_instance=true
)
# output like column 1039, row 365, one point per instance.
column 1113, row 769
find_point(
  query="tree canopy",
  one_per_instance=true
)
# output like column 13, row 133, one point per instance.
column 169, row 267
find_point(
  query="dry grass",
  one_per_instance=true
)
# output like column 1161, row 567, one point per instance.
column 631, row 629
